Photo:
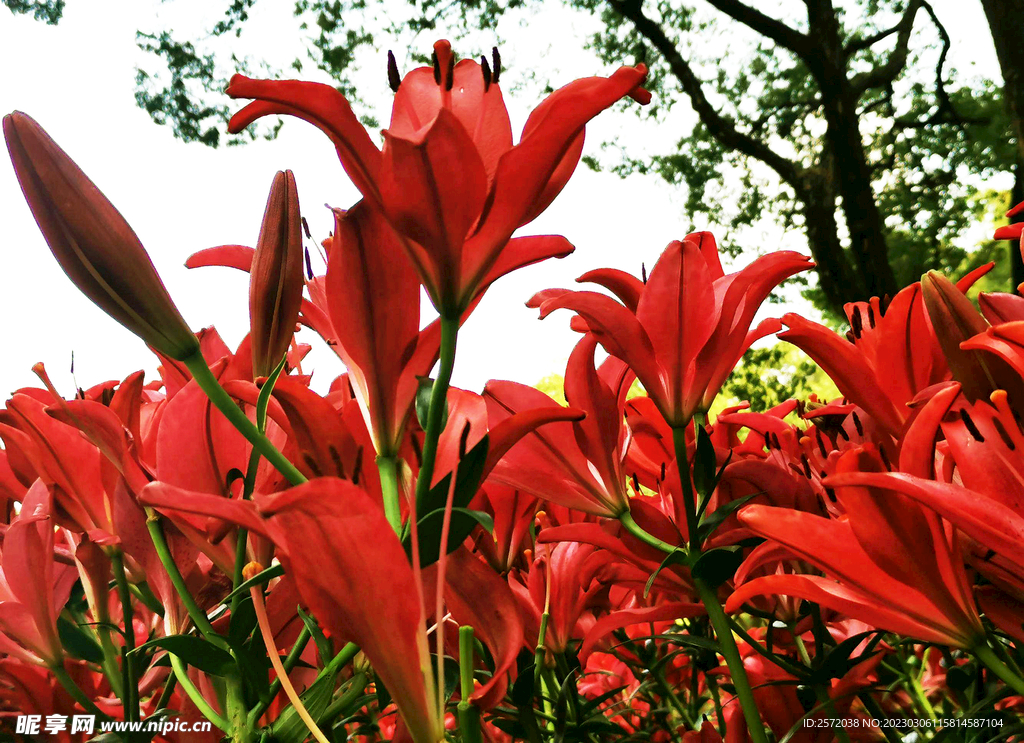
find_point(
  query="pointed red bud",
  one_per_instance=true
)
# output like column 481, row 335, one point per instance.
column 275, row 286
column 92, row 242
column 955, row 319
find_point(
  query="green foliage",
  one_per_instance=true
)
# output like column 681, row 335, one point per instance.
column 766, row 377
column 48, row 11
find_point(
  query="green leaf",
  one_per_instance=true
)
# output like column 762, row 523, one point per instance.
column 195, row 651
column 323, row 645
column 462, row 523
column 77, row 642
column 675, row 557
column 265, row 576
column 470, row 473
column 717, row 566
column 289, row 727
column 704, row 463
column 255, row 667
column 423, row 394
column 243, row 621
column 720, row 514
column 263, row 401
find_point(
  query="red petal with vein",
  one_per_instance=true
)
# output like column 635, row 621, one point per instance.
column 167, row 497
column 226, row 256
column 433, row 189
column 325, row 445
column 679, row 312
column 848, row 601
column 321, row 105
column 991, row 523
column 998, row 307
column 373, row 298
column 625, row 286
column 477, row 596
column 846, row 366
column 352, row 572
column 532, row 173
column 525, row 251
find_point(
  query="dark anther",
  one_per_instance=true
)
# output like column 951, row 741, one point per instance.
column 885, row 459
column 775, row 442
column 305, row 228
column 857, row 423
column 72, row 362
column 989, row 555
column 451, row 73
column 309, row 266
column 857, row 322
column 997, row 424
column 807, row 466
column 107, row 397
column 394, row 79
column 643, row 273
column 351, row 389
column 871, row 316
column 80, row 394
column 850, row 336
column 636, row 484
column 767, row 441
column 496, row 64
column 821, row 443
column 842, row 432
column 417, row 450
column 437, row 68
column 339, row 467
column 662, row 470
column 486, row 69
column 973, row 429
column 311, row 464
column 358, row 469
column 464, row 441
column 831, row 494
column 884, row 306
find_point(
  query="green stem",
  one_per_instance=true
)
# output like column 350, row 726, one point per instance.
column 195, row 695
column 243, row 534
column 110, row 655
column 987, row 656
column 732, row 658
column 145, row 595
column 289, row 663
column 435, row 416
column 673, row 700
column 165, row 695
column 387, row 465
column 131, row 692
column 626, row 519
column 342, row 704
column 689, row 503
column 163, row 551
column 236, row 416
column 469, row 714
column 709, row 598
column 79, row 696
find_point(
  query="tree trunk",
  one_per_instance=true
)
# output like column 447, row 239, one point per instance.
column 1004, row 17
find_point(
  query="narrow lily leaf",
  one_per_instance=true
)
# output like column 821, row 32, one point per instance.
column 717, row 566
column 77, row 642
column 265, row 576
column 675, row 557
column 462, row 523
column 720, row 514
column 323, row 646
column 704, row 464
column 195, row 651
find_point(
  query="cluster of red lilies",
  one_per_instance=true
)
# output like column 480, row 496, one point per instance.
column 403, row 560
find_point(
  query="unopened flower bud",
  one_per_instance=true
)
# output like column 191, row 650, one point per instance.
column 275, row 285
column 92, row 242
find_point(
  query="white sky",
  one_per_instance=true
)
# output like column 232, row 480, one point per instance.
column 77, row 80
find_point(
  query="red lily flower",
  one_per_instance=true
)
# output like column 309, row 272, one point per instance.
column 691, row 322
column 449, row 179
column 895, row 565
column 577, row 464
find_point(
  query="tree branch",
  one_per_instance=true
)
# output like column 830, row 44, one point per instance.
column 887, row 72
column 777, row 31
column 721, row 128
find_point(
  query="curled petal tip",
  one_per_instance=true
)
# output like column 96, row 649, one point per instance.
column 1010, row 231
column 1017, row 209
